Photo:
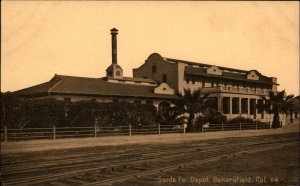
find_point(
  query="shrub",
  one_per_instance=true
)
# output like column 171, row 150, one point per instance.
column 242, row 120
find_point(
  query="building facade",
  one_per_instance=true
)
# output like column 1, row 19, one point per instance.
column 233, row 92
column 113, row 87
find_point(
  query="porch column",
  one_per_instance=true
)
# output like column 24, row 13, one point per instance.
column 220, row 104
column 230, row 107
column 248, row 113
column 255, row 108
column 240, row 106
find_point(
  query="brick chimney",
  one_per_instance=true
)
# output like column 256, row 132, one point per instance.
column 114, row 70
column 114, row 33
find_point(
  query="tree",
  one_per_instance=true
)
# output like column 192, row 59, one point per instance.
column 191, row 103
column 171, row 116
column 275, row 104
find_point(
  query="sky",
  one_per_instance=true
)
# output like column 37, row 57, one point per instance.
column 42, row 38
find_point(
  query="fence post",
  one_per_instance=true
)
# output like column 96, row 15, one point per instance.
column 240, row 125
column 270, row 124
column 54, row 132
column 256, row 125
column 159, row 128
column 281, row 123
column 95, row 131
column 202, row 128
column 183, row 128
column 5, row 134
column 129, row 129
column 222, row 126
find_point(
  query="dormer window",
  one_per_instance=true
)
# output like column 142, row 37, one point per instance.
column 118, row 73
column 154, row 68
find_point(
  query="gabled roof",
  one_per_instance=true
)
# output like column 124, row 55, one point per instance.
column 61, row 84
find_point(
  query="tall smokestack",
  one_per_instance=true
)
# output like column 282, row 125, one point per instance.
column 114, row 33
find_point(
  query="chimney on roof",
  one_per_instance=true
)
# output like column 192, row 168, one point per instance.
column 114, row 33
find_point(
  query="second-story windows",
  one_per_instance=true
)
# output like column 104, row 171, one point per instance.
column 164, row 78
column 154, row 68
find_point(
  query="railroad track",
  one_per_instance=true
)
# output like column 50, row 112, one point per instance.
column 62, row 163
column 152, row 162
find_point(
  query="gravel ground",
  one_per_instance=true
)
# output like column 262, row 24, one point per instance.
column 44, row 145
column 278, row 167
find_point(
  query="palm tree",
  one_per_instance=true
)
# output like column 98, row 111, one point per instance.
column 191, row 103
column 275, row 104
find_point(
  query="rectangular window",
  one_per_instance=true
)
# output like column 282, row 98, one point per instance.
column 165, row 78
column 203, row 83
column 154, row 68
column 193, row 81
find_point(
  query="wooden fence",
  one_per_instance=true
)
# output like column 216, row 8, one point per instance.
column 78, row 132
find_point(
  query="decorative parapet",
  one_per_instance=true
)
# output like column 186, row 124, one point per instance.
column 164, row 88
column 214, row 70
column 252, row 75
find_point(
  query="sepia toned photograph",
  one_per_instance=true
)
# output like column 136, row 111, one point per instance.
column 150, row 93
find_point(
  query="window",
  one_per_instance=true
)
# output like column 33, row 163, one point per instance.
column 203, row 83
column 154, row 68
column 118, row 73
column 212, row 84
column 193, row 81
column 164, row 78
column 115, row 100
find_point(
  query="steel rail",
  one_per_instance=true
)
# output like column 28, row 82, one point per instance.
column 182, row 165
column 113, row 165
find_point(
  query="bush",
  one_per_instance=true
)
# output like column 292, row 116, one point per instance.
column 209, row 116
column 39, row 113
column 242, row 120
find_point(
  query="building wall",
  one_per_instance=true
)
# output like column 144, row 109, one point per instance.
column 162, row 67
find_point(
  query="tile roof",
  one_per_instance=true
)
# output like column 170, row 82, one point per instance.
column 204, row 65
column 61, row 84
column 132, row 79
column 228, row 75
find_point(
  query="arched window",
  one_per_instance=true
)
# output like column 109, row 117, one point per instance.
column 154, row 68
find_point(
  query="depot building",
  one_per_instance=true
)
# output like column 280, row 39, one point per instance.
column 233, row 92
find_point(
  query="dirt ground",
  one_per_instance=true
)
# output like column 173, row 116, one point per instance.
column 278, row 167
